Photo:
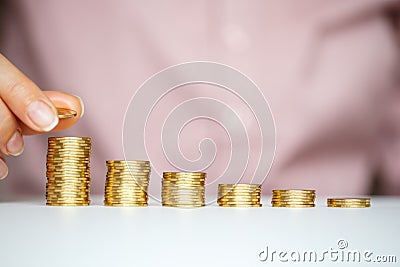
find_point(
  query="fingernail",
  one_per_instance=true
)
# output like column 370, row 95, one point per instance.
column 42, row 115
column 15, row 145
column 82, row 106
column 3, row 170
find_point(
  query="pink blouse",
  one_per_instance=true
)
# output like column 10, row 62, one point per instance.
column 329, row 70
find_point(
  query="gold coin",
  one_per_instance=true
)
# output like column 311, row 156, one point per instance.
column 241, row 205
column 178, row 186
column 129, row 171
column 293, row 206
column 65, row 113
column 184, row 173
column 292, row 203
column 128, row 175
column 140, row 162
column 127, row 197
column 239, row 186
column 69, row 154
column 116, row 202
column 70, row 163
column 293, row 192
column 67, row 204
column 198, row 205
column 186, row 177
column 67, row 142
column 182, row 198
column 236, row 189
column 349, row 206
column 67, row 177
column 293, row 197
column 70, row 146
column 67, row 189
column 239, row 195
column 64, row 178
column 189, row 178
column 66, row 168
column 349, row 199
column 80, row 181
column 125, row 204
column 127, row 179
column 67, row 192
column 115, row 188
column 128, row 184
column 125, row 194
column 69, row 138
column 67, row 200
column 128, row 165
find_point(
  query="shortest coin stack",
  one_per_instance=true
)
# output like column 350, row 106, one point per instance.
column 68, row 171
column 349, row 202
column 239, row 195
column 127, row 183
column 293, row 198
column 183, row 189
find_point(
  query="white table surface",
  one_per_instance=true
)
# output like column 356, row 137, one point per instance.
column 32, row 234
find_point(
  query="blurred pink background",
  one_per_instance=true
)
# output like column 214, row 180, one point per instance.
column 329, row 70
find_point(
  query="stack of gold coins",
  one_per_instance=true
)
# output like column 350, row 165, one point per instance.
column 127, row 183
column 68, row 171
column 349, row 202
column 183, row 189
column 239, row 195
column 293, row 198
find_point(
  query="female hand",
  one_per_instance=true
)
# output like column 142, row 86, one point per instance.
column 25, row 110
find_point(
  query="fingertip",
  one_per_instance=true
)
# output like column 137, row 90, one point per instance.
column 82, row 106
column 15, row 145
column 3, row 169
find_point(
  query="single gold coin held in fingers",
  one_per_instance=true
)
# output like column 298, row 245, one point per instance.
column 65, row 113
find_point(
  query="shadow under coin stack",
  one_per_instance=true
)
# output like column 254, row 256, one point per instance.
column 68, row 171
column 183, row 189
column 349, row 202
column 239, row 195
column 293, row 198
column 127, row 183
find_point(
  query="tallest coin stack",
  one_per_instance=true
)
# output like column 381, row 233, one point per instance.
column 68, row 171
